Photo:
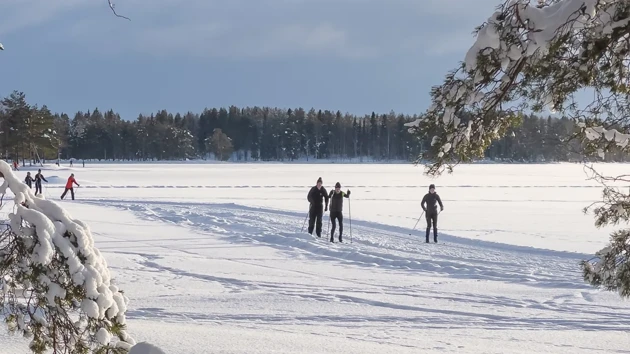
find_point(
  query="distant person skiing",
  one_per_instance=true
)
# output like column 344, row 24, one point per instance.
column 29, row 180
column 315, row 211
column 431, row 199
column 69, row 186
column 336, row 210
column 38, row 182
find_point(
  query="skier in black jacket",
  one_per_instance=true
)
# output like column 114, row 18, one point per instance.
column 38, row 181
column 336, row 210
column 431, row 210
column 29, row 180
column 315, row 211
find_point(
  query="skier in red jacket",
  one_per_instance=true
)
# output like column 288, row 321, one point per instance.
column 69, row 186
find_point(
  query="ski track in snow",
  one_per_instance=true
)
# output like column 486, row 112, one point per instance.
column 242, row 278
column 380, row 249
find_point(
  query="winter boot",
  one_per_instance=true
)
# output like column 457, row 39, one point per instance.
column 340, row 239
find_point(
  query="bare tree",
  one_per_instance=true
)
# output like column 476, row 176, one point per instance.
column 220, row 144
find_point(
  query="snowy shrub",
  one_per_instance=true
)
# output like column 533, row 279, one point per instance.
column 56, row 288
column 535, row 55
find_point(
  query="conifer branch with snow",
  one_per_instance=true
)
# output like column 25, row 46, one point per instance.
column 56, row 287
column 536, row 55
column 530, row 57
column 610, row 268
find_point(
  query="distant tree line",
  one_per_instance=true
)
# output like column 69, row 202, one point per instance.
column 32, row 133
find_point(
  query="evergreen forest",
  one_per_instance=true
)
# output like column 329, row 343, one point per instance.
column 34, row 133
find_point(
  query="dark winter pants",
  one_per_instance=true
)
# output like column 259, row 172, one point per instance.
column 315, row 213
column 38, row 188
column 432, row 217
column 334, row 216
column 72, row 193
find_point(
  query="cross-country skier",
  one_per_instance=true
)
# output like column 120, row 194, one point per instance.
column 29, row 180
column 336, row 210
column 315, row 211
column 431, row 199
column 69, row 186
column 38, row 182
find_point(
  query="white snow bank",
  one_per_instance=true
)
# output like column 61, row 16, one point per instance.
column 145, row 348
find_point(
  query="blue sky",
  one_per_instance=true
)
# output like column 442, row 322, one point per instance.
column 356, row 56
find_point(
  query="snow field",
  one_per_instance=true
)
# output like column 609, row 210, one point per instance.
column 227, row 270
column 528, row 205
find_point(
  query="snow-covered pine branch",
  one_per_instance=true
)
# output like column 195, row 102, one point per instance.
column 610, row 268
column 531, row 55
column 56, row 287
column 535, row 55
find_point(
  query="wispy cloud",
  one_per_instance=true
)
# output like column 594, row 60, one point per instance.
column 225, row 40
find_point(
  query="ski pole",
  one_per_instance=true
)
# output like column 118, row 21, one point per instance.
column 414, row 227
column 329, row 226
column 304, row 223
column 350, row 218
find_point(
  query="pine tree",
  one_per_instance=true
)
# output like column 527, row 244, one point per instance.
column 15, row 125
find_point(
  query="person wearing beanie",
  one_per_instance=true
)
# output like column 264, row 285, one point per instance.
column 336, row 210
column 431, row 199
column 29, row 180
column 315, row 211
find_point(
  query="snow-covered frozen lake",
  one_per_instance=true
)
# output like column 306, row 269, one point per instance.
column 213, row 260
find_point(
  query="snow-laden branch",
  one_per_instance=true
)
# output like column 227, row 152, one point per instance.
column 610, row 268
column 536, row 55
column 527, row 57
column 56, row 286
